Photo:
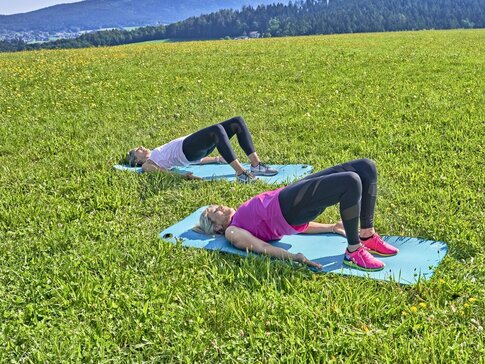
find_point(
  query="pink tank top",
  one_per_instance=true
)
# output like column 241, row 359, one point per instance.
column 262, row 217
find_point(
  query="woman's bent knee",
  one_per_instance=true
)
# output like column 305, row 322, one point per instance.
column 371, row 166
column 352, row 181
column 238, row 124
column 239, row 119
column 218, row 129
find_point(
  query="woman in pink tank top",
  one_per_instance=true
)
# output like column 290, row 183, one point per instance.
column 195, row 148
column 292, row 209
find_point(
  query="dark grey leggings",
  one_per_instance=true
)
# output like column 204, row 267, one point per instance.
column 201, row 143
column 352, row 184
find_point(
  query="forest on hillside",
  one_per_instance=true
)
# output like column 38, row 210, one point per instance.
column 297, row 18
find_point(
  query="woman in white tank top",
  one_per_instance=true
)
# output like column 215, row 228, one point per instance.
column 195, row 148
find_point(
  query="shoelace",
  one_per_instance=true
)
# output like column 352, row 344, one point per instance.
column 361, row 251
column 378, row 240
column 249, row 176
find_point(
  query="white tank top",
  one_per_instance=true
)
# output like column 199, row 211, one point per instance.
column 170, row 155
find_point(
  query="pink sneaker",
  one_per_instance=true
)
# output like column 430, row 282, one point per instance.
column 378, row 246
column 361, row 259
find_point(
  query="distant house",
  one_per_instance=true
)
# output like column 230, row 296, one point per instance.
column 242, row 37
column 254, row 34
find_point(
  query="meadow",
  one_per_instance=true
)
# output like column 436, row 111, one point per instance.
column 84, row 276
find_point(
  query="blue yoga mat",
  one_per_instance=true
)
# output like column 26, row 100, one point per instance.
column 417, row 258
column 286, row 173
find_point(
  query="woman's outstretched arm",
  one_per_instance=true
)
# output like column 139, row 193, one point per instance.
column 244, row 240
column 209, row 160
column 318, row 228
column 150, row 166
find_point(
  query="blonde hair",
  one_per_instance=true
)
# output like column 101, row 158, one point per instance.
column 206, row 225
column 131, row 158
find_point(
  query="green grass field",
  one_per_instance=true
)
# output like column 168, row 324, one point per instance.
column 84, row 277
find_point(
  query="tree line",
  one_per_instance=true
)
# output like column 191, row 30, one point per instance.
column 305, row 17
column 97, row 14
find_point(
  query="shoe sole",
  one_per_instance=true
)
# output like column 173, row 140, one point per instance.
column 358, row 267
column 381, row 254
column 264, row 174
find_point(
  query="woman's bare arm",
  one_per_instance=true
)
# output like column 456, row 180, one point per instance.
column 209, row 160
column 244, row 240
column 150, row 166
column 318, row 228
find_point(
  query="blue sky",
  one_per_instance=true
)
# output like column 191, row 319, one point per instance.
column 22, row 6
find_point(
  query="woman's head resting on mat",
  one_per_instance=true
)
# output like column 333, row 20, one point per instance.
column 215, row 219
column 138, row 156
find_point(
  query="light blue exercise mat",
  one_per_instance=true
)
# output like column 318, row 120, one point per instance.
column 417, row 258
column 286, row 173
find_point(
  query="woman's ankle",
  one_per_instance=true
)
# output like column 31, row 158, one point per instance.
column 238, row 168
column 352, row 248
column 366, row 233
column 254, row 159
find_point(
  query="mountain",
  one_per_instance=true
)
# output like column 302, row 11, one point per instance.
column 97, row 14
column 307, row 17
column 297, row 18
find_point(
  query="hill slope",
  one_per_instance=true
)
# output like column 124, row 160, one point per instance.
column 84, row 276
column 95, row 14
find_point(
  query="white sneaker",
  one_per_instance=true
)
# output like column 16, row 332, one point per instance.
column 263, row 170
column 246, row 177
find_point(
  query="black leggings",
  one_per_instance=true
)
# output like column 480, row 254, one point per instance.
column 201, row 143
column 353, row 184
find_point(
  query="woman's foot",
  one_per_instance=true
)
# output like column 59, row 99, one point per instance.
column 361, row 259
column 376, row 245
column 246, row 177
column 263, row 170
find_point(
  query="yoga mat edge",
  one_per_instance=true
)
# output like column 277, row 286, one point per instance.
column 417, row 259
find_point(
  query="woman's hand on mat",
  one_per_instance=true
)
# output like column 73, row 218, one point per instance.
column 190, row 176
column 338, row 228
column 300, row 258
column 215, row 160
